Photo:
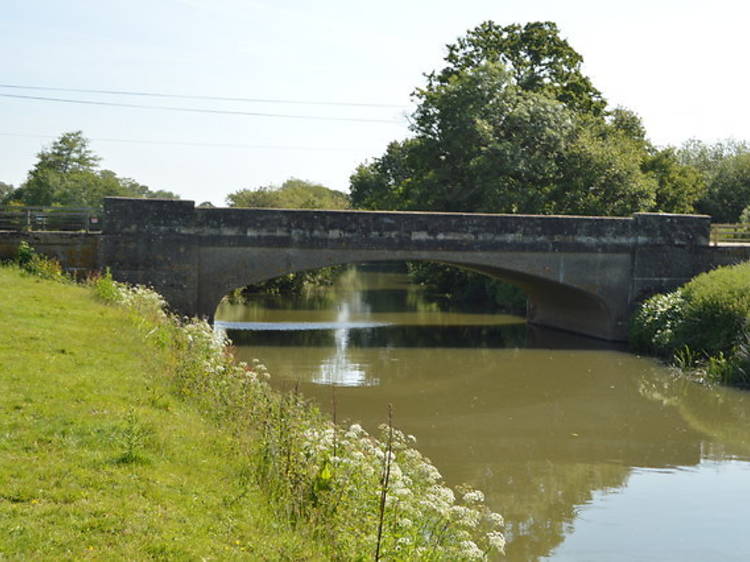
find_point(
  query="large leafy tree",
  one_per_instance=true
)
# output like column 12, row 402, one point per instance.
column 67, row 173
column 482, row 143
column 538, row 59
column 511, row 124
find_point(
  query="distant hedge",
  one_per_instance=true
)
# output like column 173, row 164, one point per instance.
column 704, row 324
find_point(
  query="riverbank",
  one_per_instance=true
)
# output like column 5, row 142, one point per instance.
column 702, row 327
column 99, row 459
column 140, row 437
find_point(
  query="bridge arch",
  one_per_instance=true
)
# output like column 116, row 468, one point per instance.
column 551, row 302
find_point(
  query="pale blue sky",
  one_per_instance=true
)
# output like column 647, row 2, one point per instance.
column 682, row 65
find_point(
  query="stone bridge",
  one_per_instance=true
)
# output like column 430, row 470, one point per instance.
column 581, row 274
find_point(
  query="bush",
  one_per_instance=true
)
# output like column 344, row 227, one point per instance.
column 35, row 264
column 706, row 320
column 653, row 325
column 717, row 311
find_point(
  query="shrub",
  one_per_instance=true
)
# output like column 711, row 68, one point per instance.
column 718, row 308
column 35, row 264
column 702, row 324
column 653, row 325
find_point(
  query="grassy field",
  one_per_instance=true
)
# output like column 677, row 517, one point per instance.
column 99, row 460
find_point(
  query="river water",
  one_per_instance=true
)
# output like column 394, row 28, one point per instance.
column 590, row 453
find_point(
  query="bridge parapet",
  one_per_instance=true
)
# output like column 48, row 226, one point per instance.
column 377, row 229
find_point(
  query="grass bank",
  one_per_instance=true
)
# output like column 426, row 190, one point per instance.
column 126, row 433
column 98, row 457
column 703, row 327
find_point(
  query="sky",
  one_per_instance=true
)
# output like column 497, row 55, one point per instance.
column 681, row 65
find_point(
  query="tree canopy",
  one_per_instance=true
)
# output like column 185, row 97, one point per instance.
column 725, row 168
column 292, row 194
column 512, row 125
column 67, row 173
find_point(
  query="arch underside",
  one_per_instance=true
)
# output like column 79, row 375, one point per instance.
column 554, row 300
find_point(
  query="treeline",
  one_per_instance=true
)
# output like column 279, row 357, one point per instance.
column 68, row 173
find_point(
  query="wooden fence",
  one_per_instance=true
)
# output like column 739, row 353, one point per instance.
column 50, row 218
column 730, row 233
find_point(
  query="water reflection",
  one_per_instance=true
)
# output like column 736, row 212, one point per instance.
column 550, row 426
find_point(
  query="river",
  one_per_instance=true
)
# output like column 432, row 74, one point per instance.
column 589, row 452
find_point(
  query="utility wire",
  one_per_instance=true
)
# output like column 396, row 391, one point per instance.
column 202, row 144
column 196, row 97
column 200, row 110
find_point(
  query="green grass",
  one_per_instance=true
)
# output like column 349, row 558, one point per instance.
column 98, row 458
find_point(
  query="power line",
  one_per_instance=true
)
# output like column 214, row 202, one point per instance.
column 201, row 110
column 198, row 97
column 202, row 144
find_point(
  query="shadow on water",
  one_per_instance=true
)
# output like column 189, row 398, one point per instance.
column 518, row 335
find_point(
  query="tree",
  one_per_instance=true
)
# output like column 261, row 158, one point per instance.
column 6, row 192
column 292, row 194
column 535, row 55
column 725, row 167
column 728, row 190
column 679, row 186
column 66, row 173
column 484, row 144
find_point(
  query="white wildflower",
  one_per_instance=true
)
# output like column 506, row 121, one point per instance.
column 471, row 550
column 496, row 540
column 473, row 497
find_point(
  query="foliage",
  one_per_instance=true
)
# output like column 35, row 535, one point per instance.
column 66, row 173
column 38, row 265
column 653, row 325
column 679, row 186
column 725, row 166
column 538, row 59
column 5, row 190
column 315, row 472
column 467, row 287
column 718, row 309
column 483, row 144
column 728, row 190
column 292, row 194
column 704, row 322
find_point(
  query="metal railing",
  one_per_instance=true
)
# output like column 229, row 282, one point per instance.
column 730, row 234
column 50, row 218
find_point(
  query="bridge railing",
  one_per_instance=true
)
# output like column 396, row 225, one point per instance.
column 26, row 219
column 730, row 233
